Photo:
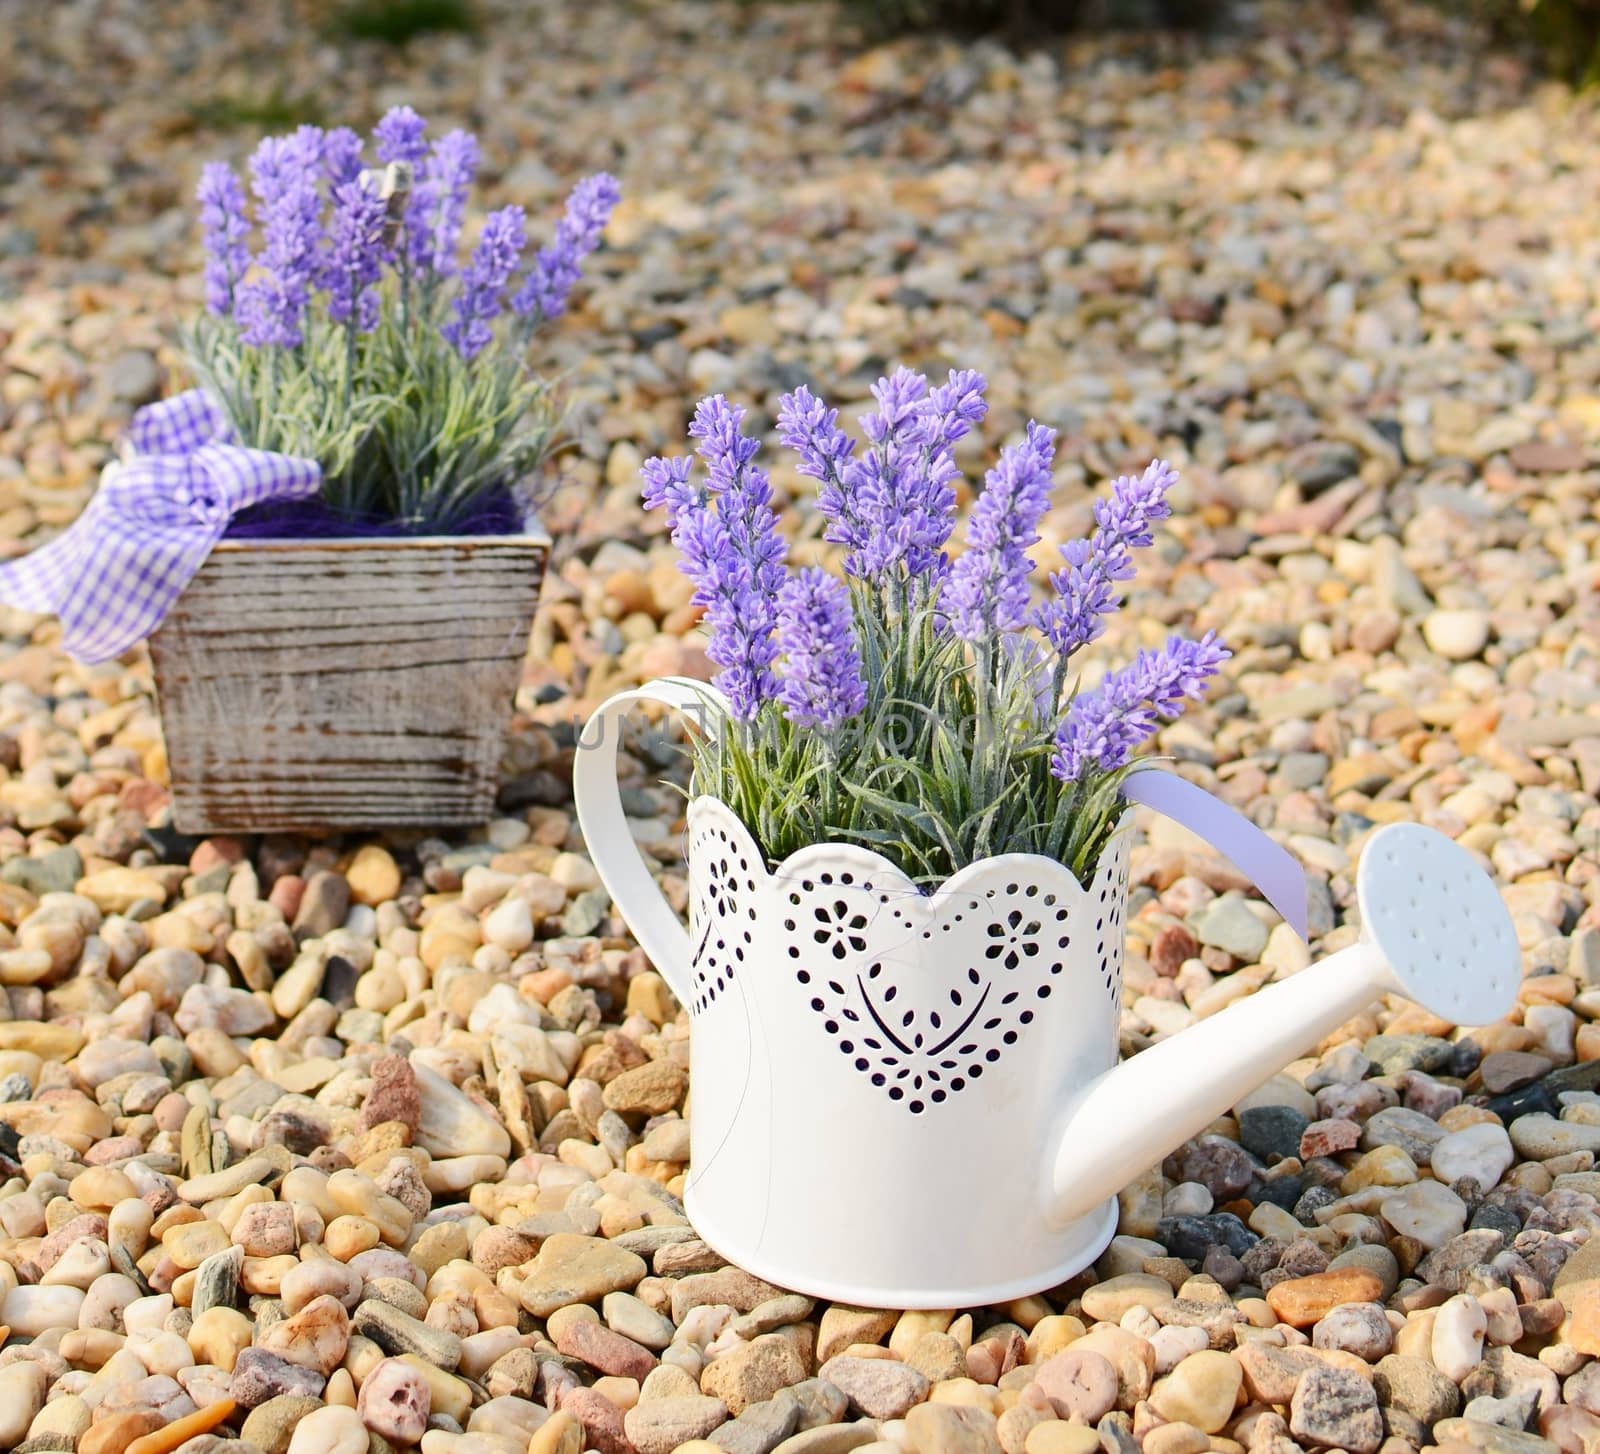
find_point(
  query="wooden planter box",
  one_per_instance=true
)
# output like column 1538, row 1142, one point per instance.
column 352, row 683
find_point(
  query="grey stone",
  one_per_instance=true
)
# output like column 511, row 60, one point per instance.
column 761, row 1427
column 1272, row 1132
column 1394, row 1053
column 1336, row 1408
column 1190, row 1237
column 1321, row 464
column 132, row 377
column 820, row 1403
column 397, row 1332
column 1415, row 1387
column 216, row 1281
column 258, row 1376
column 1228, row 923
column 1413, row 1132
column 776, row 1312
column 57, row 871
column 659, row 1425
column 880, row 1388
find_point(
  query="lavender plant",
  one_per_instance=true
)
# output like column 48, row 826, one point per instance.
column 355, row 334
column 923, row 707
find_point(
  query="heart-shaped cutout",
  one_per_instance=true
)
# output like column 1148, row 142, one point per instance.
column 922, row 992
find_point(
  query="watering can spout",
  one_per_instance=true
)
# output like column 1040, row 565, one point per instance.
column 1433, row 928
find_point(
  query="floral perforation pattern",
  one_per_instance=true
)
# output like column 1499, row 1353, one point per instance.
column 920, row 1046
column 722, row 912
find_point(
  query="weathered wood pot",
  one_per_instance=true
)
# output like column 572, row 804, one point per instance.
column 344, row 683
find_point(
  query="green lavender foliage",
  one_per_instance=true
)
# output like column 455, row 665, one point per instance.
column 948, row 764
column 404, row 428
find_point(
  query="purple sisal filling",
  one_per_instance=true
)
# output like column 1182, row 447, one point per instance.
column 496, row 512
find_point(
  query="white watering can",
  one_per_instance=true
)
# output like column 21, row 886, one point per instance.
column 902, row 1099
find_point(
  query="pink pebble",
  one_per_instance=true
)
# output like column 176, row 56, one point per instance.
column 395, row 1402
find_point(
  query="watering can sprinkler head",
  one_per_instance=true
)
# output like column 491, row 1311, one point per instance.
column 1433, row 928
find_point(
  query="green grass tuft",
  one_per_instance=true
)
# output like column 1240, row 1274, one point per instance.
column 398, row 22
column 1565, row 32
column 273, row 110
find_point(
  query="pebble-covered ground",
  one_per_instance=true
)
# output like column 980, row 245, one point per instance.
column 333, row 1147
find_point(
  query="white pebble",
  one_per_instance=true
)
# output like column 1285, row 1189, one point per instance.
column 1481, row 1153
column 510, row 926
column 330, row 1430
column 1457, row 635
column 1458, row 1331
column 29, row 1311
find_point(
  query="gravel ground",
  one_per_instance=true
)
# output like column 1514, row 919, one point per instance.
column 319, row 1145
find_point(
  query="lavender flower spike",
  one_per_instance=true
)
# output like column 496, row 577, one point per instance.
column 742, row 490
column 811, row 429
column 400, row 136
column 986, row 593
column 738, row 617
column 879, row 479
column 1105, row 727
column 543, row 294
column 906, row 490
column 439, row 202
column 494, row 260
column 355, row 255
column 341, row 157
column 285, row 175
column 225, row 224
column 821, row 673
column 1086, row 587
column 953, row 408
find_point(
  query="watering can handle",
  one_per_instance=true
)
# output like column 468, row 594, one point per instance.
column 604, row 826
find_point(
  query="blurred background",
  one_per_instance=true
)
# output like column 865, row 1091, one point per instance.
column 1312, row 251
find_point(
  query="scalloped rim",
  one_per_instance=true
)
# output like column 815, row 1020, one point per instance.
column 818, row 857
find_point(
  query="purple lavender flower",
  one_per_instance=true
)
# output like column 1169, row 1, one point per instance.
column 666, row 486
column 738, row 618
column 308, row 142
column 399, row 136
column 225, row 224
column 1086, row 586
column 730, row 548
column 341, row 157
column 354, row 260
column 438, row 203
column 285, row 172
column 811, row 429
column 821, row 673
column 987, row 590
column 543, row 294
column 1105, row 727
column 905, row 490
column 876, row 484
column 494, row 260
column 953, row 408
column 742, row 490
column 1136, row 503
column 899, row 398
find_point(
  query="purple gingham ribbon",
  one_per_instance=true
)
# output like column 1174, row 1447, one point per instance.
column 114, row 575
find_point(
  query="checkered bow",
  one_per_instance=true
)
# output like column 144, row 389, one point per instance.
column 114, row 575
